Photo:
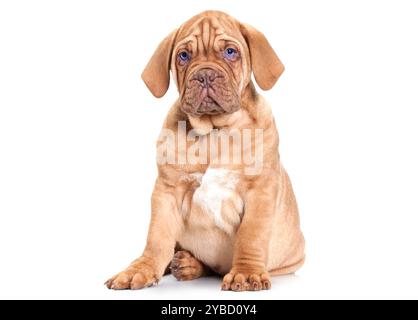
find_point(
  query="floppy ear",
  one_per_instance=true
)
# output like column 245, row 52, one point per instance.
column 266, row 65
column 156, row 74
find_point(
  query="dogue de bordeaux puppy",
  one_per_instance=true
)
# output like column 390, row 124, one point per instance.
column 225, row 208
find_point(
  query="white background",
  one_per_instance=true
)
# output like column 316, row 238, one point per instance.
column 78, row 128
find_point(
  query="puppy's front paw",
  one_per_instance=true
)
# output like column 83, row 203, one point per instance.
column 237, row 280
column 138, row 275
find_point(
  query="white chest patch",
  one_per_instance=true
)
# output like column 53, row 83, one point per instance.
column 217, row 185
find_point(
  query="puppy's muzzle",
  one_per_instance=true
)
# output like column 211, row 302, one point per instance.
column 208, row 92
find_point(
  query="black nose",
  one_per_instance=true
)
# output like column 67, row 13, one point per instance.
column 206, row 76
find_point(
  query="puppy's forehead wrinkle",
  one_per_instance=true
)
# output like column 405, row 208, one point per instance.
column 204, row 33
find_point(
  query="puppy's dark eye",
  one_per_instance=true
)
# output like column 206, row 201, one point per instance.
column 230, row 53
column 184, row 56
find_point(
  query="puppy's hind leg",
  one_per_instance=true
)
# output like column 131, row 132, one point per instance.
column 186, row 267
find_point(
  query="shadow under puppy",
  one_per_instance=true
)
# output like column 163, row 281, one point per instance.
column 238, row 218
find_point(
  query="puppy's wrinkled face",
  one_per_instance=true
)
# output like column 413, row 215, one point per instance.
column 211, row 57
column 209, row 63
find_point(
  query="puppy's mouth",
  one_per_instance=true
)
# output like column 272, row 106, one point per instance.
column 209, row 106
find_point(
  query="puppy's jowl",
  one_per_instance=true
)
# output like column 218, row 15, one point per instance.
column 222, row 201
